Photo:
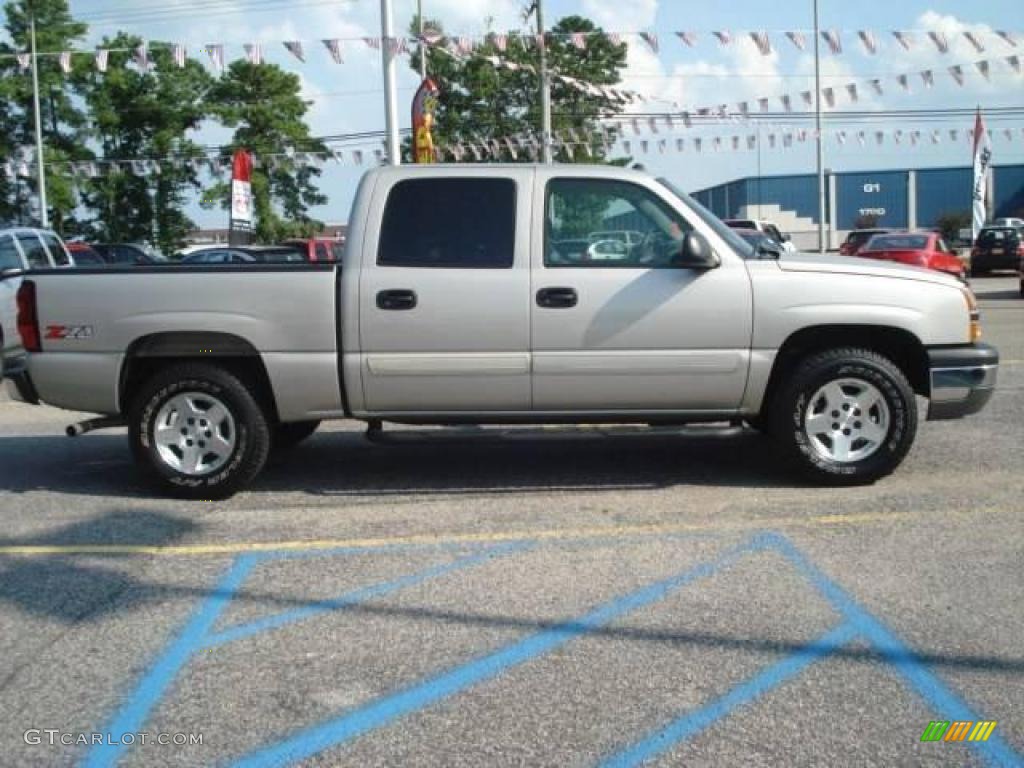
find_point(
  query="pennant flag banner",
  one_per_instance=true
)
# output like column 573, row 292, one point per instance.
column 294, row 47
column 179, row 55
column 764, row 45
column 973, row 40
column 689, row 38
column 724, row 37
column 334, row 49
column 831, row 37
column 1008, row 38
column 142, row 58
column 903, row 39
column 868, row 38
column 24, row 59
column 651, row 39
column 65, row 62
column 102, row 58
column 798, row 39
column 253, row 53
column 216, row 53
column 940, row 41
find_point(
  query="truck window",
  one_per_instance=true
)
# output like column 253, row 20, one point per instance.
column 60, row 256
column 9, row 256
column 35, row 253
column 455, row 223
column 620, row 225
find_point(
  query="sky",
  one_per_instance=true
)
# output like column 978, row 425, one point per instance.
column 348, row 97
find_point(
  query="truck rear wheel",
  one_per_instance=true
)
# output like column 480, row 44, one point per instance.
column 846, row 417
column 198, row 432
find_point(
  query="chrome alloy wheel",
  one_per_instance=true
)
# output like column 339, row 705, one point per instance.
column 847, row 420
column 194, row 433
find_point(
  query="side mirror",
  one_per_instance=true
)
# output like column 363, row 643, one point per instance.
column 696, row 253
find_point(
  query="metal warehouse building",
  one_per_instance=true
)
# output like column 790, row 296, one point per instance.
column 902, row 199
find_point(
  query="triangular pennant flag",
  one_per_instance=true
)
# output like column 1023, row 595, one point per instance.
column 904, row 81
column 762, row 104
column 626, row 146
column 928, row 77
column 808, row 97
column 179, row 54
column 744, row 109
column 687, row 120
column 830, row 96
column 724, row 36
column 102, row 57
column 835, row 44
column 653, row 122
column 216, row 53
column 717, row 143
column 958, row 73
column 751, row 141
column 973, row 40
column 662, row 144
column 294, row 47
column 983, row 67
column 65, row 62
column 936, row 136
column 868, row 38
column 464, row 44
column 880, row 137
column 636, row 126
column 851, row 91
column 841, row 137
column 333, row 46
column 680, row 145
column 787, row 103
column 939, row 38
column 954, row 134
column 735, row 143
column 897, row 135
column 253, row 53
column 615, row 38
column 798, row 39
column 914, row 136
column 1014, row 62
column 579, row 40
column 372, row 42
column 500, row 42
column 763, row 43
column 876, row 84
column 787, row 140
column 697, row 143
column 24, row 60
column 771, row 141
column 862, row 138
column 1007, row 37
column 688, row 38
column 651, row 39
column 904, row 39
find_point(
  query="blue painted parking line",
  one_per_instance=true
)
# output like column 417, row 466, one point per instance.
column 357, row 596
column 197, row 635
column 693, row 723
column 383, row 711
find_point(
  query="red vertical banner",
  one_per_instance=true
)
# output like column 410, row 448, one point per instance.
column 424, row 104
column 240, row 227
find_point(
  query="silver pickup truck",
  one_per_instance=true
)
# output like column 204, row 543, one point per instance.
column 502, row 294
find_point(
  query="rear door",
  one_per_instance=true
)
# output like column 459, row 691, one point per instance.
column 633, row 333
column 10, row 258
column 444, row 293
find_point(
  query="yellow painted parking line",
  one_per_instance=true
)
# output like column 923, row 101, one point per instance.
column 494, row 537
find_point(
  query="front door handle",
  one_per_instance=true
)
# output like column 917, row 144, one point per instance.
column 396, row 299
column 557, row 298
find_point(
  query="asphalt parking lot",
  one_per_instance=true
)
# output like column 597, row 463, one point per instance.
column 548, row 598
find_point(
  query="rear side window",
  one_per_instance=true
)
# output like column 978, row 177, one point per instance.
column 899, row 242
column 9, row 256
column 35, row 253
column 453, row 223
column 56, row 249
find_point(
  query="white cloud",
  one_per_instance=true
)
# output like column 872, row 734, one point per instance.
column 619, row 15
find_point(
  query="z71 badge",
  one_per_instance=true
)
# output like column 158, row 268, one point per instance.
column 69, row 331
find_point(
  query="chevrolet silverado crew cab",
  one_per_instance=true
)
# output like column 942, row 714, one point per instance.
column 457, row 301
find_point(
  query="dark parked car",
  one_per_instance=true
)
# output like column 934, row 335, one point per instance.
column 319, row 248
column 858, row 239
column 125, row 254
column 85, row 255
column 246, row 254
column 997, row 248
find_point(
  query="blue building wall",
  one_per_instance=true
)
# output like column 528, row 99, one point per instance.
column 938, row 191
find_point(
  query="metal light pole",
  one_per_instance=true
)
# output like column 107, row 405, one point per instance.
column 423, row 50
column 390, row 87
column 44, row 216
column 817, row 125
column 545, row 87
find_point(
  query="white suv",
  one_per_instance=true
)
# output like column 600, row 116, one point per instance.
column 765, row 228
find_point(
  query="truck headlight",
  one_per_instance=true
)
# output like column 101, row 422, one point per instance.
column 974, row 327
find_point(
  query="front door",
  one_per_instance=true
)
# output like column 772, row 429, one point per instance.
column 445, row 294
column 616, row 325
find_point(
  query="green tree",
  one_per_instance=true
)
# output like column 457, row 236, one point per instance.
column 951, row 222
column 144, row 115
column 478, row 101
column 262, row 103
column 63, row 123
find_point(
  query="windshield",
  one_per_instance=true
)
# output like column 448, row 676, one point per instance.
column 898, row 242
column 741, row 246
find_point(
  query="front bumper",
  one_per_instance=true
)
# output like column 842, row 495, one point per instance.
column 963, row 379
column 17, row 381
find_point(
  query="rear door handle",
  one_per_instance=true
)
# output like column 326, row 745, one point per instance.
column 396, row 299
column 557, row 298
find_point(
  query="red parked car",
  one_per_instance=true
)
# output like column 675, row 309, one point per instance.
column 918, row 249
column 857, row 239
column 319, row 248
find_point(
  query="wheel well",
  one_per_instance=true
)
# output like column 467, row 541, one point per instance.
column 150, row 354
column 900, row 346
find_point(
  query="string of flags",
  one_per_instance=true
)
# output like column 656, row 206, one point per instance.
column 571, row 143
column 869, row 41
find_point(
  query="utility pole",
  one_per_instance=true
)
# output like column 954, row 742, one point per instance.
column 423, row 48
column 817, row 125
column 545, row 85
column 44, row 216
column 387, row 53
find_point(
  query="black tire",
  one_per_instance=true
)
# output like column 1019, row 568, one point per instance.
column 287, row 436
column 790, row 407
column 251, row 438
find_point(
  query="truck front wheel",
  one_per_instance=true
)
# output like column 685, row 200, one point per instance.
column 198, row 432
column 847, row 416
